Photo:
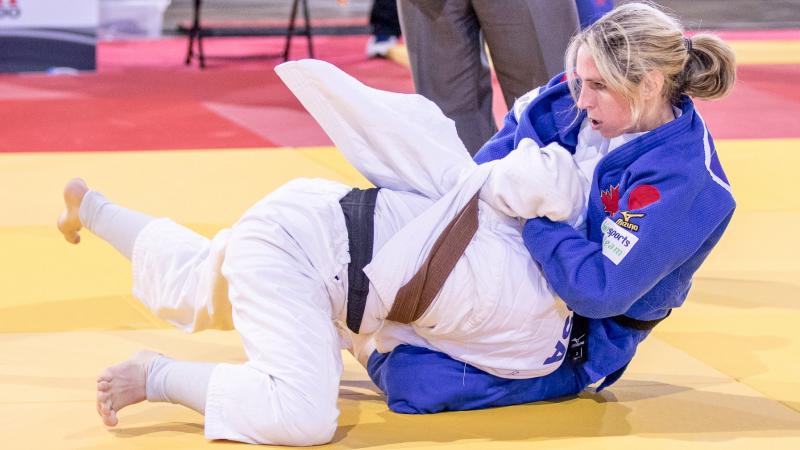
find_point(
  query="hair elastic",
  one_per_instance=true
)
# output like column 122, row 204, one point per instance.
column 687, row 42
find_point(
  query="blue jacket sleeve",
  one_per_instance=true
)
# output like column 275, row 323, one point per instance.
column 501, row 143
column 604, row 276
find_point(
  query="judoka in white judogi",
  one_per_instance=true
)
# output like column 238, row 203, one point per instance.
column 279, row 275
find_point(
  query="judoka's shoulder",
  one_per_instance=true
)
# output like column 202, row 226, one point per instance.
column 687, row 167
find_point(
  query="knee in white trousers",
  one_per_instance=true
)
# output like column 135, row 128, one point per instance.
column 274, row 275
column 280, row 263
column 266, row 410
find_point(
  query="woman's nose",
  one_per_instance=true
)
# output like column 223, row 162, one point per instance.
column 583, row 99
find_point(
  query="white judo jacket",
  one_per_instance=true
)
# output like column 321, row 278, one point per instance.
column 496, row 310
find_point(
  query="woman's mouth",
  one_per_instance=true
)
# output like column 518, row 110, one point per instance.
column 595, row 123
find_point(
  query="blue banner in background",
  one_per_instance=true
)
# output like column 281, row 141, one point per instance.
column 48, row 35
column 591, row 10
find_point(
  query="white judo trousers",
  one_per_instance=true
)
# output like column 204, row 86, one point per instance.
column 279, row 275
column 272, row 276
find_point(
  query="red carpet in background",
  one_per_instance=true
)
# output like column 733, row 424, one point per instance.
column 764, row 104
column 758, row 35
column 144, row 98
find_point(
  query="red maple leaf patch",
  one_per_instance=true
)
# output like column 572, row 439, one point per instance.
column 610, row 199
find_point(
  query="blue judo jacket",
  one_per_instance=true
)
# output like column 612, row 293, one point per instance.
column 658, row 205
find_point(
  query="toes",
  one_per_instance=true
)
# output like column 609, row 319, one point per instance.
column 104, row 409
column 72, row 237
column 104, row 399
column 109, row 417
column 111, row 420
column 106, row 412
column 105, row 376
column 69, row 230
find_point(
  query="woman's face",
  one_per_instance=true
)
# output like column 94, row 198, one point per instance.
column 608, row 110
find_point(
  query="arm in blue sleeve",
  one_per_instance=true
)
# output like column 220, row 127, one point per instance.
column 670, row 231
column 501, row 144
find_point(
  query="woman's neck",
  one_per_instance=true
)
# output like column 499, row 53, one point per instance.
column 654, row 118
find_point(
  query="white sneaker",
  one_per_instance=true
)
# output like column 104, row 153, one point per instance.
column 380, row 48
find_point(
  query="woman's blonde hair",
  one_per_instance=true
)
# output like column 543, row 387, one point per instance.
column 636, row 38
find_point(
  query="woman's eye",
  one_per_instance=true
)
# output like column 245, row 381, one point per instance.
column 598, row 86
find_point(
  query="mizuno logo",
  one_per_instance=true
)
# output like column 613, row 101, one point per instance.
column 627, row 216
column 625, row 221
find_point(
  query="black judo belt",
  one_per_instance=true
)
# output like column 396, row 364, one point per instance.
column 578, row 349
column 413, row 298
column 358, row 207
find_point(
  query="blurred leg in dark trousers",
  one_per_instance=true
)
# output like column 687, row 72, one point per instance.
column 385, row 24
column 527, row 40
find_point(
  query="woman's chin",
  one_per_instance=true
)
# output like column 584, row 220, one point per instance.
column 607, row 133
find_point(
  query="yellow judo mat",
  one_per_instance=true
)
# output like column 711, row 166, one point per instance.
column 722, row 372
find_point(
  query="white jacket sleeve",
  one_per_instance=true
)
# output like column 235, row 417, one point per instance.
column 398, row 141
column 538, row 182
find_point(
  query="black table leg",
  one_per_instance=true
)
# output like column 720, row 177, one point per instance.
column 196, row 32
column 308, row 29
column 290, row 30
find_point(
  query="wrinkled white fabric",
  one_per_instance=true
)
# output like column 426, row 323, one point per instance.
column 116, row 225
column 280, row 273
column 284, row 268
column 397, row 141
column 495, row 311
column 551, row 173
column 177, row 275
column 181, row 382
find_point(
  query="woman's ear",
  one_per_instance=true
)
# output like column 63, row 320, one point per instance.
column 652, row 84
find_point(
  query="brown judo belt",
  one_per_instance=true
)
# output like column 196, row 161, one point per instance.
column 414, row 298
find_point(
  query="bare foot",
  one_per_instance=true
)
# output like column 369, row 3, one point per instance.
column 122, row 385
column 69, row 222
